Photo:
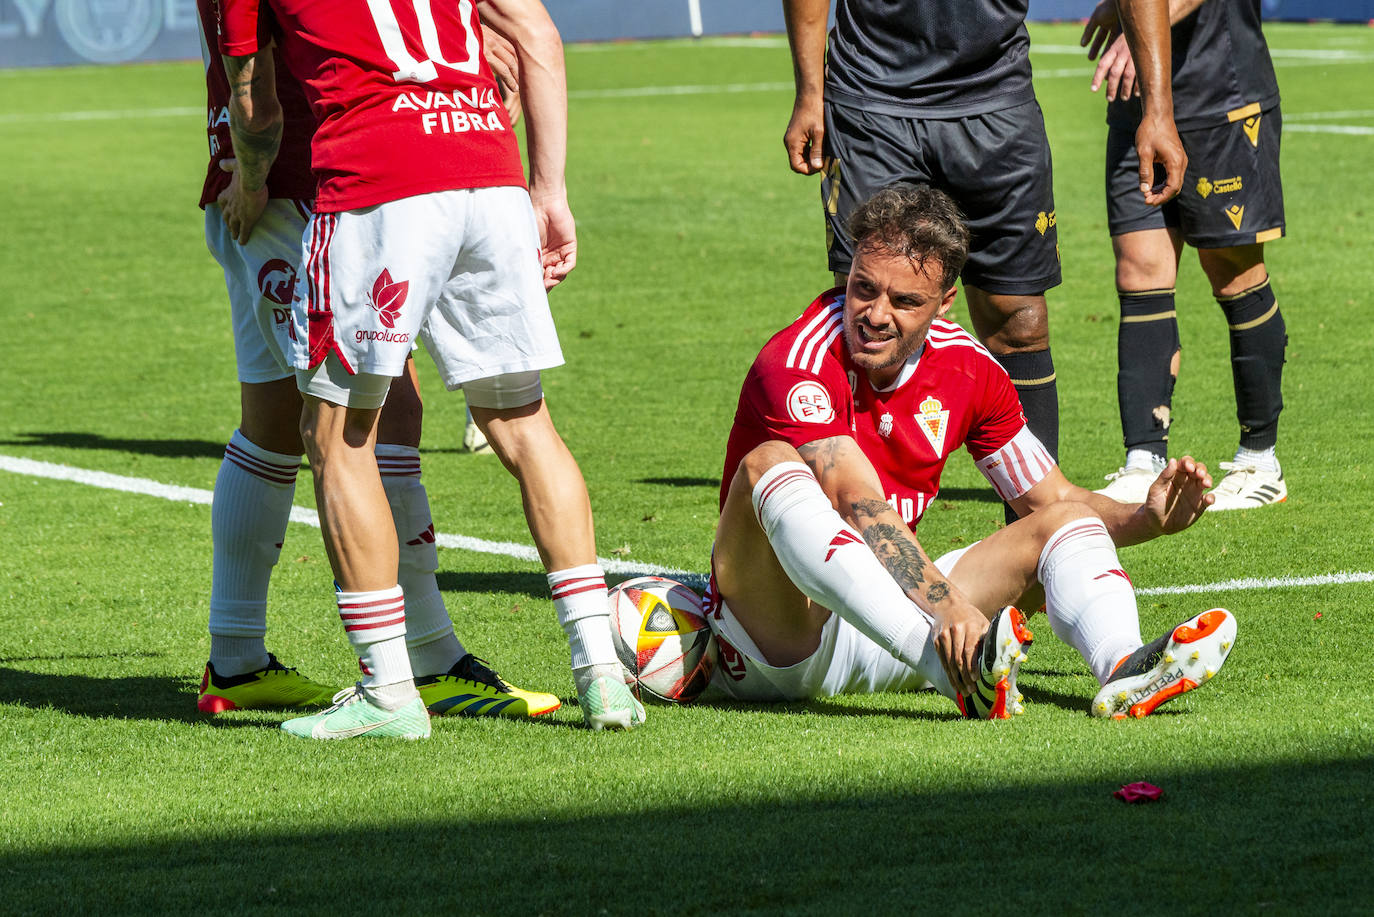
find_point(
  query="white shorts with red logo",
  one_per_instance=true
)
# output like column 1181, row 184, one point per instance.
column 261, row 279
column 846, row 662
column 459, row 269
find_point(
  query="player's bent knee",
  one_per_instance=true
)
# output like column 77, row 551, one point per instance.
column 759, row 460
column 1057, row 515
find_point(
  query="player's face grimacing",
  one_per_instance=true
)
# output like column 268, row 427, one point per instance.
column 889, row 305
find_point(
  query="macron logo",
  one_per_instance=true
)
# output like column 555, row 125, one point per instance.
column 840, row 540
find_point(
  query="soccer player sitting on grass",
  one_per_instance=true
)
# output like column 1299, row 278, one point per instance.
column 255, row 234
column 846, row 418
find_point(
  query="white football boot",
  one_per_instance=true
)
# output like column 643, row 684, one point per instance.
column 1186, row 657
column 1245, row 487
column 1129, row 485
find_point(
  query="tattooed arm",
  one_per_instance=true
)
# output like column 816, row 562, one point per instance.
column 852, row 484
column 255, row 124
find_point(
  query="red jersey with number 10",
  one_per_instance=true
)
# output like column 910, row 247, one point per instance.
column 951, row 393
column 403, row 98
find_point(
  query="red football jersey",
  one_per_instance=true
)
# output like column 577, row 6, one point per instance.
column 290, row 176
column 951, row 393
column 403, row 98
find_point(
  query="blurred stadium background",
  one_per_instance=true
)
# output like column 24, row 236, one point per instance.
column 38, row 33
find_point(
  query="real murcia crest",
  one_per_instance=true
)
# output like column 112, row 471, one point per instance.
column 885, row 424
column 933, row 421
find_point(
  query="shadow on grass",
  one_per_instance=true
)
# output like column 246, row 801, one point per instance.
column 1287, row 838
column 171, row 448
column 529, row 584
column 135, row 697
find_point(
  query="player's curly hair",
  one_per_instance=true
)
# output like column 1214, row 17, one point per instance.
column 917, row 221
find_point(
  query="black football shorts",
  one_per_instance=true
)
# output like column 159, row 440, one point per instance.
column 1231, row 193
column 996, row 166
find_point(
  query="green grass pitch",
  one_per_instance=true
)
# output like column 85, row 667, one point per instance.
column 696, row 244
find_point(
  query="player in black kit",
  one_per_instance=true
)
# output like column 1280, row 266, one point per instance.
column 1226, row 105
column 939, row 92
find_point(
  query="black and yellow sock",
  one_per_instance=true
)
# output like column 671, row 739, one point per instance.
column 1258, row 341
column 1146, row 342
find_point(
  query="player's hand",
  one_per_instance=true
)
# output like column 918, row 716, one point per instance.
column 1102, row 26
column 1179, row 496
column 805, row 135
column 1117, row 69
column 1156, row 141
column 505, row 66
column 240, row 207
column 958, row 629
column 557, row 236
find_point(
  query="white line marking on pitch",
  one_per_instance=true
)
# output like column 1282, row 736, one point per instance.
column 309, row 517
column 305, row 516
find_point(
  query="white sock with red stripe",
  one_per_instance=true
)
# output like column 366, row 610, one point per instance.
column 248, row 516
column 1088, row 597
column 831, row 564
column 584, row 611
column 430, row 639
column 376, row 626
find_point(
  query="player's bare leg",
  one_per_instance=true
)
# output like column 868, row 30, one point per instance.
column 360, row 539
column 1147, row 356
column 1259, row 339
column 559, row 514
column 450, row 679
column 359, row 536
column 1016, row 329
column 784, row 624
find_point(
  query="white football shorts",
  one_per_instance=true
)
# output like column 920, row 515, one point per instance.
column 846, row 662
column 261, row 279
column 457, row 269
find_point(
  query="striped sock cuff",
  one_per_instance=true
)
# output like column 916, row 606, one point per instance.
column 272, row 467
column 369, row 617
column 394, row 460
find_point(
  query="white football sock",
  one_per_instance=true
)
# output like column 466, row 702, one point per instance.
column 1088, row 597
column 584, row 611
column 248, row 517
column 376, row 626
column 1259, row 459
column 831, row 564
column 430, row 638
column 1144, row 460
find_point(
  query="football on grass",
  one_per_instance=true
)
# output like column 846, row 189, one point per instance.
column 662, row 639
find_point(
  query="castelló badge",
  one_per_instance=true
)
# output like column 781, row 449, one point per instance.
column 933, row 421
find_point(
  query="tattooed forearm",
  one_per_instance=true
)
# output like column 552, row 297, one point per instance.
column 870, row 508
column 255, row 120
column 898, row 554
column 819, row 455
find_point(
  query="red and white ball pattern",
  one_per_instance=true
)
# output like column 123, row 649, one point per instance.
column 662, row 639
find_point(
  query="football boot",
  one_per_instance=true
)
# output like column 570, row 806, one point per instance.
column 608, row 704
column 275, row 685
column 472, row 688
column 1245, row 487
column 1001, row 651
column 1186, row 657
column 354, row 715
